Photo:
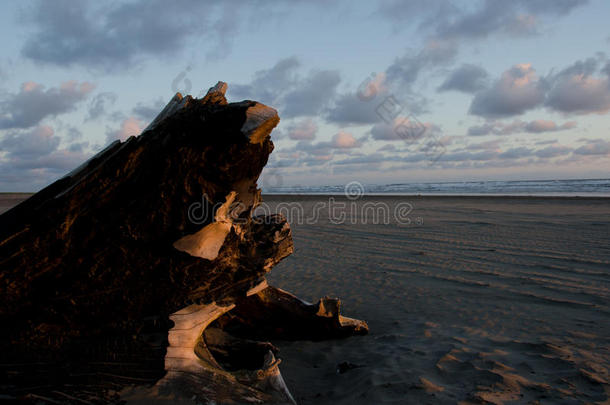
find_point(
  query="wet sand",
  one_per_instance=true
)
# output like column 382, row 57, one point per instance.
column 469, row 300
column 478, row 300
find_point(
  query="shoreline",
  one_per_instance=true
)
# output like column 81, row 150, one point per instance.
column 474, row 196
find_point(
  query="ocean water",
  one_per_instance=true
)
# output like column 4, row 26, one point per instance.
column 568, row 188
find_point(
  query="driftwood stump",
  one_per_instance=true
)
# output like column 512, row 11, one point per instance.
column 110, row 276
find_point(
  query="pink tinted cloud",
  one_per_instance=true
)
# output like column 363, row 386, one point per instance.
column 303, row 130
column 131, row 126
column 344, row 140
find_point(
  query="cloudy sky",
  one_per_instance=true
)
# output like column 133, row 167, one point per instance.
column 376, row 92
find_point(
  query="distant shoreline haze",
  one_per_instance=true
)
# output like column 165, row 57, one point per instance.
column 534, row 188
column 542, row 188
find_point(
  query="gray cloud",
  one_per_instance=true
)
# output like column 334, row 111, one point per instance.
column 480, row 130
column 268, row 85
column 33, row 103
column 540, row 126
column 340, row 141
column 546, row 142
column 99, row 103
column 553, row 7
column 516, row 153
column 514, row 18
column 468, row 156
column 366, row 159
column 78, row 146
column 445, row 19
column 533, row 127
column 467, row 79
column 399, row 11
column 31, row 144
column 489, row 145
column 73, row 133
column 582, row 88
column 405, row 70
column 117, row 35
column 477, row 155
column 492, row 17
column 489, row 152
column 387, row 148
column 292, row 93
column 577, row 90
column 379, row 158
column 486, row 154
column 518, row 90
column 594, row 147
column 59, row 161
column 402, row 129
column 318, row 148
column 553, row 151
column 303, row 130
column 308, row 153
column 606, row 69
column 349, row 109
column 311, row 94
column 378, row 106
column 448, row 25
column 316, row 160
column 281, row 163
column 32, row 158
column 147, row 112
column 68, row 32
column 362, row 106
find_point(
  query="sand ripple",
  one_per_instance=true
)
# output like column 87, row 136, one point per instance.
column 490, row 301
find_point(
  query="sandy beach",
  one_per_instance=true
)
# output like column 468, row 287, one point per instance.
column 9, row 200
column 469, row 300
column 478, row 300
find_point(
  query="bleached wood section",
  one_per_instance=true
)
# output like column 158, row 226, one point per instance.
column 206, row 242
column 220, row 87
column 272, row 376
column 185, row 336
column 260, row 287
column 187, row 354
column 260, row 119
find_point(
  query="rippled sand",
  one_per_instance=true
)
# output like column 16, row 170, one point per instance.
column 478, row 300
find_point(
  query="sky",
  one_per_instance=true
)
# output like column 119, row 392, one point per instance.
column 377, row 92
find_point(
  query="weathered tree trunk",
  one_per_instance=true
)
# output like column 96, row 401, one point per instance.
column 98, row 269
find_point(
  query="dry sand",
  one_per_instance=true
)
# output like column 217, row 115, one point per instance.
column 8, row 200
column 478, row 300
